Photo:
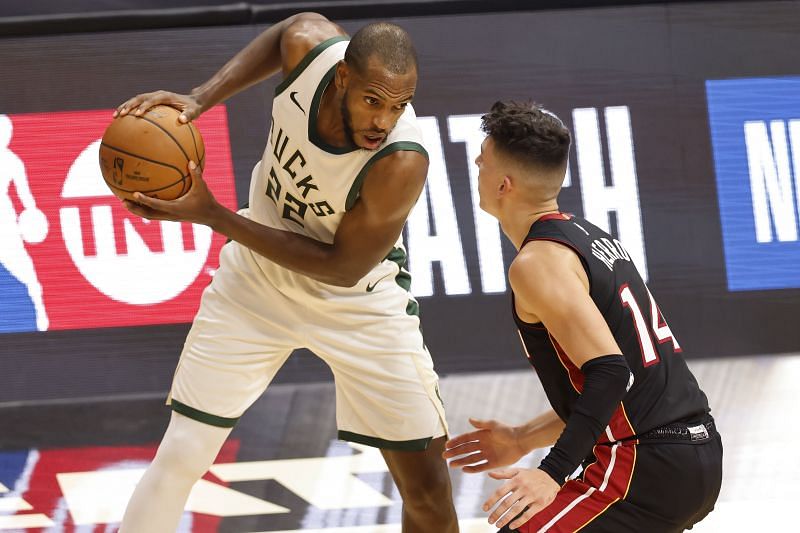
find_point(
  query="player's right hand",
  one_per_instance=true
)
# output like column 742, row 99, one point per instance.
column 493, row 445
column 187, row 103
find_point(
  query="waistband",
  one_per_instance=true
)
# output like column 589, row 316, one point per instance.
column 692, row 433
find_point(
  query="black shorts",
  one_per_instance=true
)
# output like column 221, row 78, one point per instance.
column 654, row 486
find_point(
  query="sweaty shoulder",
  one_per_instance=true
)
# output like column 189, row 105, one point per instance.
column 395, row 180
column 542, row 265
column 403, row 158
column 303, row 32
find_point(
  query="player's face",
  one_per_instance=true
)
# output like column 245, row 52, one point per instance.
column 490, row 176
column 374, row 102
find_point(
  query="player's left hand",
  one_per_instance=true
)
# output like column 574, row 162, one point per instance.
column 198, row 205
column 524, row 494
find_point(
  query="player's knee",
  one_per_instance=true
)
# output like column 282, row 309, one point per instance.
column 181, row 464
column 184, row 456
column 427, row 488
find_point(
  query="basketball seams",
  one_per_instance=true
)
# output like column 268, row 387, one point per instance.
column 160, row 168
column 183, row 177
column 200, row 158
column 178, row 144
column 137, row 156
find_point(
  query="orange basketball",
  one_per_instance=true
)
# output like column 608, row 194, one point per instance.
column 150, row 154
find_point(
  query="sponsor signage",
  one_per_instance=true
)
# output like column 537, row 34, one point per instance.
column 755, row 131
column 72, row 256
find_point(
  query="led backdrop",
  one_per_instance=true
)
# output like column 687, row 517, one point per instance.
column 686, row 122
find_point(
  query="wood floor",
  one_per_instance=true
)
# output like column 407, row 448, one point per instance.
column 71, row 467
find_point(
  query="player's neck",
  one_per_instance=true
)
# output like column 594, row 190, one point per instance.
column 516, row 222
column 330, row 122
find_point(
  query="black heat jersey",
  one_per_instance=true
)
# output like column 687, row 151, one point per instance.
column 664, row 389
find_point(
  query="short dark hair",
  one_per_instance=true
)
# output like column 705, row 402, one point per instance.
column 528, row 134
column 390, row 43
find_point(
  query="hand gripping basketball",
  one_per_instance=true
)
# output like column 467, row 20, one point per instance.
column 149, row 153
column 188, row 104
column 198, row 205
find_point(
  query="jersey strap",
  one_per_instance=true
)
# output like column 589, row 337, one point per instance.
column 398, row 146
column 309, row 57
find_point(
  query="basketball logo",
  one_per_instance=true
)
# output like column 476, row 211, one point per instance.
column 119, row 163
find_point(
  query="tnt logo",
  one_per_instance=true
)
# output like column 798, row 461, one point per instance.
column 755, row 130
column 129, row 259
column 95, row 264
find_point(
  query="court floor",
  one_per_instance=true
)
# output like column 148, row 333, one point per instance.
column 72, row 467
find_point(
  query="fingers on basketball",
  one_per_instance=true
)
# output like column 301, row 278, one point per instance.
column 150, row 154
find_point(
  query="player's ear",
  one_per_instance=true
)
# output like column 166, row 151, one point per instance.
column 505, row 186
column 342, row 76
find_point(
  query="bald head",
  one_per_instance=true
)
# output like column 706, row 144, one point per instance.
column 388, row 43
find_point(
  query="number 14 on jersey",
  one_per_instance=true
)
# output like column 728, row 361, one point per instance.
column 658, row 326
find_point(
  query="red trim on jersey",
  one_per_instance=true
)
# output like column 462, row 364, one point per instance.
column 554, row 216
column 581, row 501
column 575, row 375
column 618, row 424
column 552, row 239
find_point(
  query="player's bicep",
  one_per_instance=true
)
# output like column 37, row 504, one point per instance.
column 363, row 239
column 580, row 329
column 369, row 230
column 550, row 288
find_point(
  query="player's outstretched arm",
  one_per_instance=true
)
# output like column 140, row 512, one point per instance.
column 494, row 444
column 363, row 239
column 280, row 47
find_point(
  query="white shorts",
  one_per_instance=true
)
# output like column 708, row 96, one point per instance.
column 255, row 313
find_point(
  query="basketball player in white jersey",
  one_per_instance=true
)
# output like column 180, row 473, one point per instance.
column 316, row 262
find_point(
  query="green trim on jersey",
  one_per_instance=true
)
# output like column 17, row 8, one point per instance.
column 309, row 57
column 201, row 416
column 313, row 134
column 403, row 277
column 402, row 445
column 398, row 146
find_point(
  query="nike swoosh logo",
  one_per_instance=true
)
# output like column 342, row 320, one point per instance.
column 291, row 96
column 371, row 286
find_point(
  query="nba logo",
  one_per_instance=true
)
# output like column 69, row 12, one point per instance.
column 71, row 256
column 118, row 170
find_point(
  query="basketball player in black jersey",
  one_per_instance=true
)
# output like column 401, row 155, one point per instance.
column 625, row 406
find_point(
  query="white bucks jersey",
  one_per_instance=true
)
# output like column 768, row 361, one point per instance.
column 303, row 184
